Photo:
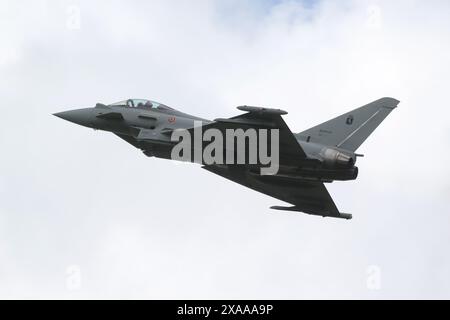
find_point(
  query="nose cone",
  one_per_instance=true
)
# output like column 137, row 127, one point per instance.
column 82, row 117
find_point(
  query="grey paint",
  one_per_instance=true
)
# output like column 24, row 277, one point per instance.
column 359, row 124
column 136, row 227
column 322, row 154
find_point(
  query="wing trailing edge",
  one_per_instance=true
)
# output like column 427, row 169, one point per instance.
column 313, row 212
column 307, row 196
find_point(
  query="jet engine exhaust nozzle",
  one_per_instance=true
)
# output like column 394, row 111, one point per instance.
column 334, row 158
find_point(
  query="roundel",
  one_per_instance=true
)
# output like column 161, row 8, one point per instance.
column 172, row 119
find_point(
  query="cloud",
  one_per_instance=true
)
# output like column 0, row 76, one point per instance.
column 146, row 228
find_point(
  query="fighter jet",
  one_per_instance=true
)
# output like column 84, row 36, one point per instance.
column 306, row 160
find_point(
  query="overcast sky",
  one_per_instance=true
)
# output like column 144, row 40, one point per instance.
column 85, row 215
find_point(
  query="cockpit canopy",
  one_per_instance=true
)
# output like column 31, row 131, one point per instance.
column 141, row 103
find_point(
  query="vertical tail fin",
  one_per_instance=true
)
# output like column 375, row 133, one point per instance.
column 351, row 129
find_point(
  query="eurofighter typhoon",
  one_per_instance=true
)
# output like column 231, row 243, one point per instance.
column 255, row 149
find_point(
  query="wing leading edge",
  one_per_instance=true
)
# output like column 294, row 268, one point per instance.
column 265, row 118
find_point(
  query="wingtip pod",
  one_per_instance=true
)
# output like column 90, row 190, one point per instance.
column 346, row 216
column 262, row 110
